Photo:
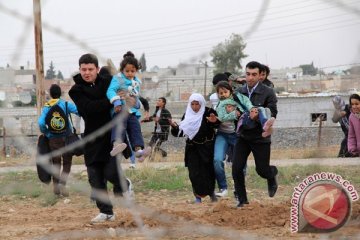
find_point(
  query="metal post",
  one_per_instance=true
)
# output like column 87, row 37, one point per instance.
column 40, row 92
column 321, row 118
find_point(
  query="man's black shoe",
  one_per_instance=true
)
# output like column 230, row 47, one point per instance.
column 242, row 202
column 213, row 197
column 272, row 186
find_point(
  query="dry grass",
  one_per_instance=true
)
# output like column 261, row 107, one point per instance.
column 301, row 153
column 292, row 153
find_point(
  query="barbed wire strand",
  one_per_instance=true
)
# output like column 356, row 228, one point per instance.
column 136, row 211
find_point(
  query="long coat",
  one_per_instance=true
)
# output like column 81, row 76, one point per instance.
column 199, row 155
column 94, row 107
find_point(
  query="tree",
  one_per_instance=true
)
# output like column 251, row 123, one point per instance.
column 143, row 62
column 50, row 73
column 309, row 69
column 227, row 56
column 60, row 75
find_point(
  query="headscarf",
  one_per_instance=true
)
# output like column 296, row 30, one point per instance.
column 192, row 121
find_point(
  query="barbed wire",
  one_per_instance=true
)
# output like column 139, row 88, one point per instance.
column 138, row 212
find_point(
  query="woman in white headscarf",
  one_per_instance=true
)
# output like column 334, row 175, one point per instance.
column 198, row 126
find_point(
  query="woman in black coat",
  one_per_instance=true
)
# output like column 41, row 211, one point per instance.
column 198, row 126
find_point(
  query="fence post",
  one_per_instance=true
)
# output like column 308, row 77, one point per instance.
column 321, row 117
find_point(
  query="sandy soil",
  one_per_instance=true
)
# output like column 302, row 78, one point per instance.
column 162, row 214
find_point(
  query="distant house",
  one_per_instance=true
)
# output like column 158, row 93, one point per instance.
column 177, row 83
column 286, row 73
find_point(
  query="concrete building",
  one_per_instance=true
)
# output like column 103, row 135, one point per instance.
column 177, row 84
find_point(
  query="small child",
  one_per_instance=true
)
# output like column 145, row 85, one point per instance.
column 127, row 85
column 232, row 106
column 354, row 125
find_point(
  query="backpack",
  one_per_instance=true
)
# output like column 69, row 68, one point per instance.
column 56, row 120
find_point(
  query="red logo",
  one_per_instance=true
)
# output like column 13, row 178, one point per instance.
column 326, row 206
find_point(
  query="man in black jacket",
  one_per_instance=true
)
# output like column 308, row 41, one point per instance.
column 264, row 73
column 89, row 96
column 161, row 117
column 251, row 140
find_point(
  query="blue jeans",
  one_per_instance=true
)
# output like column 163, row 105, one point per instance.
column 248, row 123
column 222, row 142
column 132, row 128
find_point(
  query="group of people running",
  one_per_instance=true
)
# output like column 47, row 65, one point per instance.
column 241, row 119
column 239, row 123
column 99, row 97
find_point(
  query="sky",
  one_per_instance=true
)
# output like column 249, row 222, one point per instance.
column 278, row 33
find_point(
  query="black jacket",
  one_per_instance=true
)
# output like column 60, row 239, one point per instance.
column 94, row 107
column 263, row 96
column 165, row 115
column 268, row 83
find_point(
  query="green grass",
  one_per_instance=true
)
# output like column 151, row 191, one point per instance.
column 175, row 178
column 22, row 185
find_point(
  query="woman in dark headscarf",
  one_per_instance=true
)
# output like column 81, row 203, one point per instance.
column 198, row 126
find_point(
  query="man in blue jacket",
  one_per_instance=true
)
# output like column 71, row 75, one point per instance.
column 54, row 123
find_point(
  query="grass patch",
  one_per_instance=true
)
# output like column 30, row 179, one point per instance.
column 175, row 178
column 23, row 185
column 301, row 153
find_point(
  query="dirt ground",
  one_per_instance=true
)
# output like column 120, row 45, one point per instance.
column 163, row 215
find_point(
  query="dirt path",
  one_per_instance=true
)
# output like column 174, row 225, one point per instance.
column 282, row 162
column 163, row 214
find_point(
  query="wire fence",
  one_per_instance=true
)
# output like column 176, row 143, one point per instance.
column 139, row 212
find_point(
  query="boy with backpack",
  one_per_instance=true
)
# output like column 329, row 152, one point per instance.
column 55, row 125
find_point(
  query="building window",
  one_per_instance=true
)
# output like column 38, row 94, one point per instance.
column 315, row 117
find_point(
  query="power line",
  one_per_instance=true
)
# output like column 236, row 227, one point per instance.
column 218, row 36
column 258, row 39
column 211, row 28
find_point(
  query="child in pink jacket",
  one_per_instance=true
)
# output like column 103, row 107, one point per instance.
column 354, row 125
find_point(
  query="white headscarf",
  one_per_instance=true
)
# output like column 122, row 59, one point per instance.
column 192, row 121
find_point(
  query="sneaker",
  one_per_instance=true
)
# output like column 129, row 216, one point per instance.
column 117, row 148
column 102, row 217
column 132, row 166
column 142, row 154
column 268, row 132
column 222, row 193
column 268, row 124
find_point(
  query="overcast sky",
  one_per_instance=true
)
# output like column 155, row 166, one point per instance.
column 279, row 33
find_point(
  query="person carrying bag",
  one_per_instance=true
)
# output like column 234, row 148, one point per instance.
column 55, row 125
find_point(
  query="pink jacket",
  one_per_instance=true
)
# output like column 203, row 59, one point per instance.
column 354, row 134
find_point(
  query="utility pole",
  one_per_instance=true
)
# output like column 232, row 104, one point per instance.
column 39, row 57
